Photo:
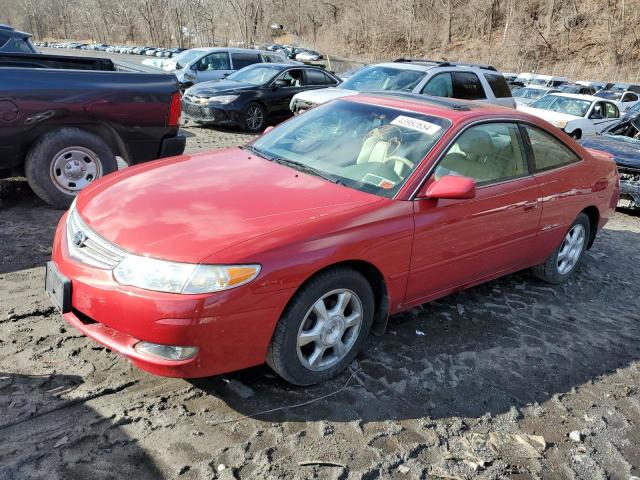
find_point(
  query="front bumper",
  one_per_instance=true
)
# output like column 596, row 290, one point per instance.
column 231, row 329
column 219, row 114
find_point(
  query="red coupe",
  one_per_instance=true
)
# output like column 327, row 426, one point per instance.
column 292, row 249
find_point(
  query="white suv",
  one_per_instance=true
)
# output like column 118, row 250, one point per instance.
column 440, row 79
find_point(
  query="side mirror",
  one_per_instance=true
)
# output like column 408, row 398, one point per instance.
column 268, row 129
column 280, row 83
column 450, row 187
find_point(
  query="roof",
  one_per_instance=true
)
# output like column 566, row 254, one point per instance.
column 228, row 49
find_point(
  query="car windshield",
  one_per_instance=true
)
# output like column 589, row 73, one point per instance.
column 362, row 146
column 556, row 103
column 609, row 95
column 528, row 92
column 384, row 78
column 187, row 57
column 258, row 74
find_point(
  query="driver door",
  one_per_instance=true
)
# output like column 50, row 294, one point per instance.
column 280, row 96
column 458, row 243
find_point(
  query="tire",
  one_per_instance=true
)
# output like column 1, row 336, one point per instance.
column 552, row 270
column 247, row 121
column 300, row 322
column 59, row 151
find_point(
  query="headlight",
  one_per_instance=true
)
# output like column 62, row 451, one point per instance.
column 174, row 277
column 223, row 99
column 560, row 123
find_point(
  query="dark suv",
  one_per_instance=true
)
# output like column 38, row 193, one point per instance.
column 13, row 41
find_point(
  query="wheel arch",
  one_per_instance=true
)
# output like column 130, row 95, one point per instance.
column 593, row 214
column 376, row 280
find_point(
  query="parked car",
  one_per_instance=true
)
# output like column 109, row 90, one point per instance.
column 308, row 56
column 622, row 141
column 624, row 99
column 13, row 41
column 577, row 88
column 291, row 250
column 441, row 79
column 529, row 94
column 254, row 96
column 548, row 80
column 577, row 115
column 64, row 119
column 204, row 64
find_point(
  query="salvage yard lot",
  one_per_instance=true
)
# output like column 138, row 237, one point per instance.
column 488, row 382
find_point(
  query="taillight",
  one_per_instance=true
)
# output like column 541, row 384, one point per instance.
column 175, row 109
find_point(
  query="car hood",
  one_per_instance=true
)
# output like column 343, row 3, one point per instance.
column 205, row 89
column 625, row 150
column 548, row 115
column 323, row 95
column 523, row 101
column 191, row 207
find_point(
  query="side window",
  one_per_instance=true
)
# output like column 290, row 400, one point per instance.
column 440, row 85
column 630, row 97
column 467, row 86
column 486, row 153
column 241, row 60
column 498, row 85
column 214, row 61
column 316, row 77
column 548, row 151
column 612, row 110
column 292, row 77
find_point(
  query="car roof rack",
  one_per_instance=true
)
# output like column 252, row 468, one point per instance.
column 445, row 63
column 450, row 103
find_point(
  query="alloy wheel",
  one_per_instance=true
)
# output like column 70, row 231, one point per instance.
column 329, row 329
column 255, row 117
column 571, row 249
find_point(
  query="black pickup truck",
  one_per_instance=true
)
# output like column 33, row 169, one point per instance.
column 64, row 120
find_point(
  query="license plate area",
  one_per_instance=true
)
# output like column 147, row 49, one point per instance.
column 57, row 288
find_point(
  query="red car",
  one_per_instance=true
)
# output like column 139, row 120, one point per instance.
column 292, row 249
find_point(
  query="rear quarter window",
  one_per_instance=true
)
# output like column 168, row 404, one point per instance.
column 498, row 85
column 316, row 77
column 548, row 151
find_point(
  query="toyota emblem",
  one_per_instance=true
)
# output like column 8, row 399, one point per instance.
column 79, row 239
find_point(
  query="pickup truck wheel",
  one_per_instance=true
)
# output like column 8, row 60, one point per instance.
column 254, row 118
column 323, row 328
column 63, row 162
column 564, row 260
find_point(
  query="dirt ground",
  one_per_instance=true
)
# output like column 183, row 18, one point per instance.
column 487, row 383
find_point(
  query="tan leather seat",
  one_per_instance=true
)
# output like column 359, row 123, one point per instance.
column 377, row 150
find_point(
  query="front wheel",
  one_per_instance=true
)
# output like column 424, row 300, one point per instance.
column 564, row 260
column 254, row 118
column 323, row 328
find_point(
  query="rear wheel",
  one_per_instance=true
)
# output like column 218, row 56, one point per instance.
column 63, row 162
column 323, row 328
column 254, row 118
column 564, row 260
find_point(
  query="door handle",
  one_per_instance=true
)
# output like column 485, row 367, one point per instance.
column 530, row 205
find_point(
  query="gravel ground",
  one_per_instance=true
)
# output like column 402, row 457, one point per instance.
column 487, row 383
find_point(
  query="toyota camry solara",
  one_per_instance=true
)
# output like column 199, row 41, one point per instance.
column 292, row 249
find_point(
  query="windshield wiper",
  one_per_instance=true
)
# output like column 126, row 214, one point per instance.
column 303, row 167
column 253, row 149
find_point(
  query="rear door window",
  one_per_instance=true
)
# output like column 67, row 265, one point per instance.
column 611, row 110
column 498, row 85
column 241, row 60
column 440, row 85
column 467, row 86
column 316, row 77
column 214, row 61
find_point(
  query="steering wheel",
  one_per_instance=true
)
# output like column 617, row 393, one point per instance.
column 398, row 159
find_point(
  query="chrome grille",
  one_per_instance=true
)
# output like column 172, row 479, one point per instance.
column 93, row 250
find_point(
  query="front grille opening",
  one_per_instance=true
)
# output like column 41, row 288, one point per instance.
column 85, row 319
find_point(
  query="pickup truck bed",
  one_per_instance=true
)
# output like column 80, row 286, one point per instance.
column 50, row 104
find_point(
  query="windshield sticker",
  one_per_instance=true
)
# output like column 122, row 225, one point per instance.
column 416, row 124
column 378, row 181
